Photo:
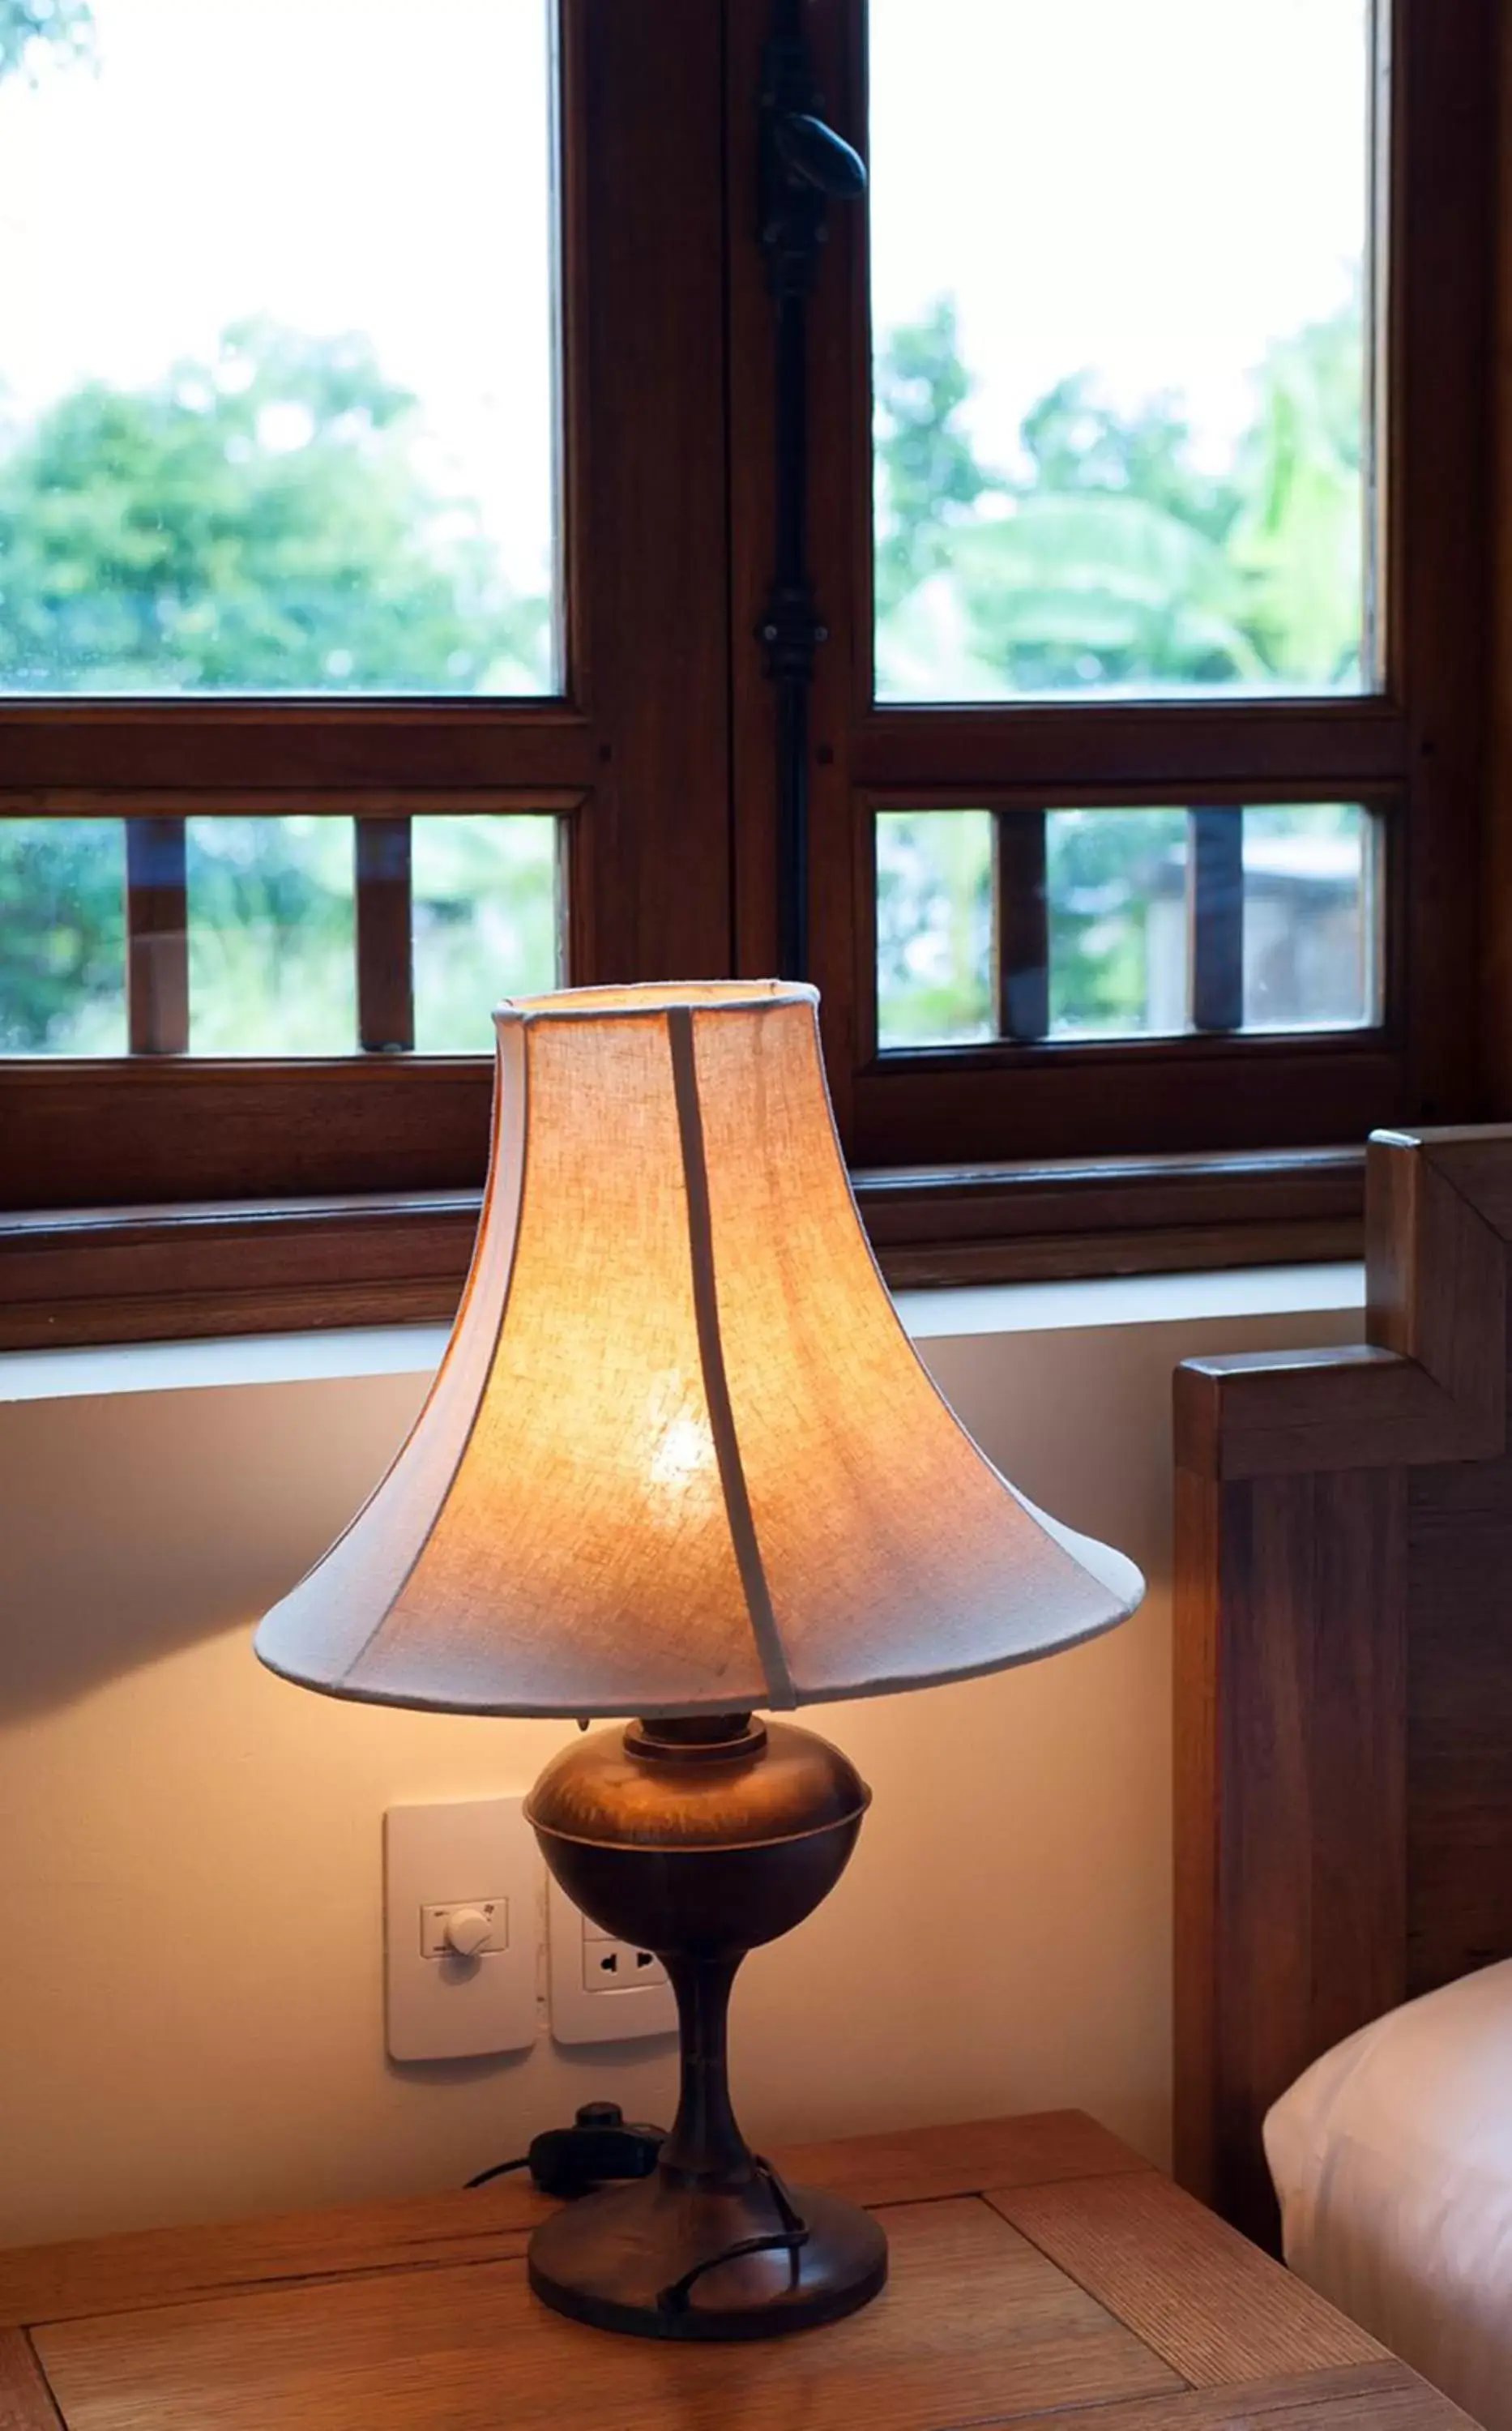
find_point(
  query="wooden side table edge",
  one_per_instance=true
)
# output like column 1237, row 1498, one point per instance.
column 127, row 2272
column 1370, row 2397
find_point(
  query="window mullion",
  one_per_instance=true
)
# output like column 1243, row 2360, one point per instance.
column 1217, row 899
column 385, row 976
column 157, row 936
column 1022, row 926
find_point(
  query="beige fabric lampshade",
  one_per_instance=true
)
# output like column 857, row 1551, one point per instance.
column 680, row 1454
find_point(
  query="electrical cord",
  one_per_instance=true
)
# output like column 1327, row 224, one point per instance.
column 570, row 2161
column 790, row 2238
column 501, row 2170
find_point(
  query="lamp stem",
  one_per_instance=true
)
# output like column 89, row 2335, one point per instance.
column 705, row 2147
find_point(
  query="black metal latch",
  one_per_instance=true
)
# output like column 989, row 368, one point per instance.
column 804, row 167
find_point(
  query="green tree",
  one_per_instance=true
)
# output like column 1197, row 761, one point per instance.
column 1296, row 535
column 928, row 475
column 62, row 937
column 1111, row 559
column 252, row 525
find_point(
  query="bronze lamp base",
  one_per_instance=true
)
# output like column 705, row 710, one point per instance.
column 699, row 1841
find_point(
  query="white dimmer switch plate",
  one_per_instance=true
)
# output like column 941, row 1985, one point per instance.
column 472, row 1854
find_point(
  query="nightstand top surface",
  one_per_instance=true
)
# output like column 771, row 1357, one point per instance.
column 1039, row 2269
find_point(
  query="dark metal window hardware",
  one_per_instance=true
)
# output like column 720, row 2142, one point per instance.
column 804, row 167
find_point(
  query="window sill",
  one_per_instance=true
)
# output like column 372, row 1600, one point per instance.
column 155, row 1274
column 975, row 1311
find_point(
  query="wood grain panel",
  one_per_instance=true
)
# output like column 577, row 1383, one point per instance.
column 156, row 2266
column 1058, row 1257
column 1344, row 1662
column 26, row 2404
column 111, row 2273
column 1474, row 1159
column 919, row 2163
column 1377, row 2397
column 1299, row 1413
column 1194, row 2292
column 1196, row 1629
column 1290, row 1798
column 1072, row 1097
column 176, row 1132
column 1459, row 1731
column 106, row 1275
column 1437, row 1277
column 976, row 2325
column 644, row 91
column 1348, row 745
column 1428, row 1384
column 77, row 756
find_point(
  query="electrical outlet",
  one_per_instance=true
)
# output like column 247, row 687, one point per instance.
column 602, row 1990
column 611, row 1965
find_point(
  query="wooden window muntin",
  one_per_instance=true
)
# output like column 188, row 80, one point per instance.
column 643, row 519
column 652, row 781
column 1415, row 749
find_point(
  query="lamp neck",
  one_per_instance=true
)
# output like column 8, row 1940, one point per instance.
column 705, row 2147
column 696, row 1738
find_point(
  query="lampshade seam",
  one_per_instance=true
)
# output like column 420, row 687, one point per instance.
column 782, row 1695
column 491, row 1215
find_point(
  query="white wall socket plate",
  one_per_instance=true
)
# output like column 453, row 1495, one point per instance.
column 602, row 1990
column 475, row 1861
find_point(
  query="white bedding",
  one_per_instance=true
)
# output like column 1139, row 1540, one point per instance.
column 1392, row 2158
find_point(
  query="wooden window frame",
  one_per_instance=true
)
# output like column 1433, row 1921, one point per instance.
column 183, row 1195
column 1415, row 751
column 638, row 782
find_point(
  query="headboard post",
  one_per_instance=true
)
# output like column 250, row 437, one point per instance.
column 1306, row 1554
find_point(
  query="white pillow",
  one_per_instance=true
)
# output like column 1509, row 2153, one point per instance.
column 1392, row 2158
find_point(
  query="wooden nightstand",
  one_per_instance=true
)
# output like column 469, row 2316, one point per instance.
column 1039, row 2267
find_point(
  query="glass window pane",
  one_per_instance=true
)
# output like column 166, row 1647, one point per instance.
column 277, row 342
column 62, row 937
column 1117, row 887
column 1121, row 295
column 486, row 923
column 272, row 950
column 1310, row 959
column 935, row 975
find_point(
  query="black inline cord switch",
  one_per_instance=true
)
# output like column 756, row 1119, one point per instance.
column 601, row 2144
column 598, row 2146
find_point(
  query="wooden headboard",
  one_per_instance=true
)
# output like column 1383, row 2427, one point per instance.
column 1344, row 1663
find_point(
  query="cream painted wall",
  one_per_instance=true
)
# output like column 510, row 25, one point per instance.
column 191, row 2020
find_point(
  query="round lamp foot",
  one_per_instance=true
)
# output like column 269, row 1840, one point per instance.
column 646, row 2259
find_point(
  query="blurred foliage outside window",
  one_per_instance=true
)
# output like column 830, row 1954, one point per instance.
column 272, row 944
column 62, row 937
column 1114, row 566
column 259, row 523
column 1118, row 924
column 253, row 524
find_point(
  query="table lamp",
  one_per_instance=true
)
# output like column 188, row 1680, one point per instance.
column 681, row 1466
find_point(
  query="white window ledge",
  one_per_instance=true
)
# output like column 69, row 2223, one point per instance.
column 929, row 1317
